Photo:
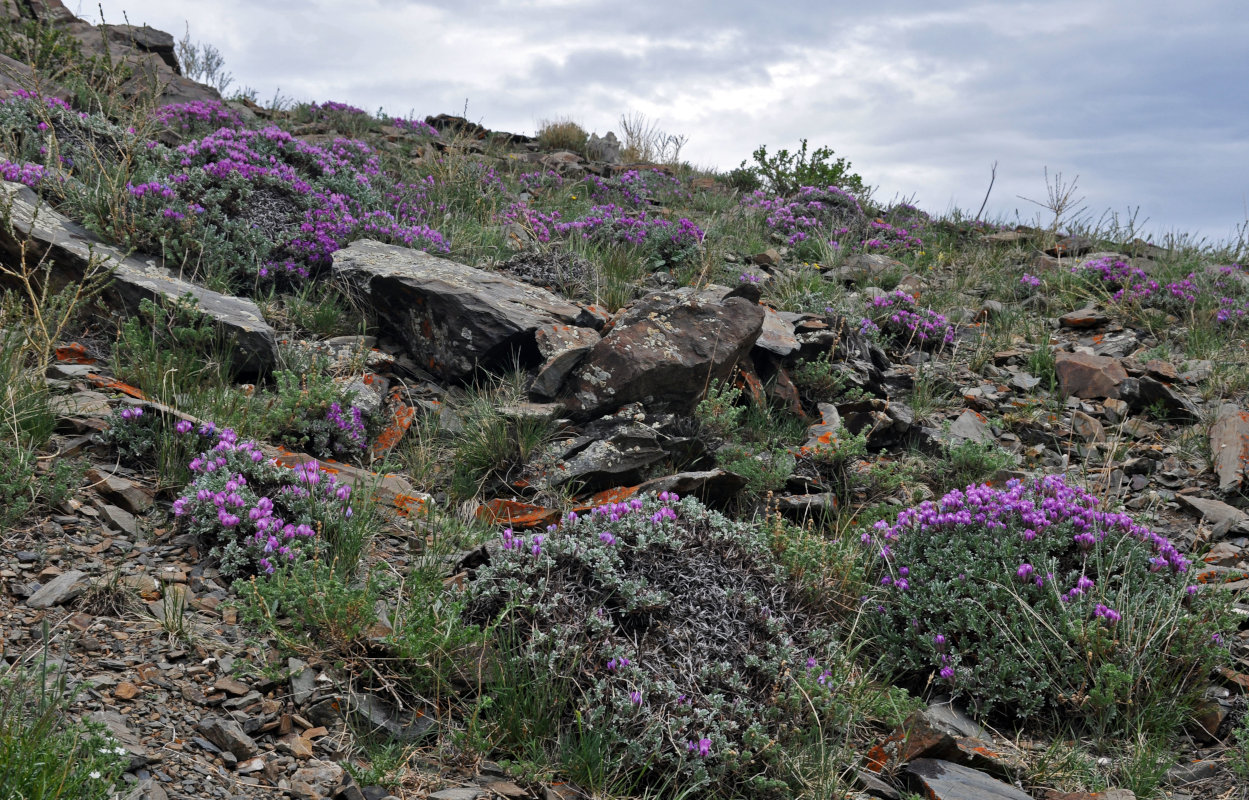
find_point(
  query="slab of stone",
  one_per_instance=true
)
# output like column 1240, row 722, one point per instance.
column 777, row 336
column 71, row 248
column 945, row 780
column 970, row 426
column 228, row 735
column 1088, row 376
column 562, row 347
column 59, row 590
column 1220, row 515
column 1229, row 444
column 453, row 319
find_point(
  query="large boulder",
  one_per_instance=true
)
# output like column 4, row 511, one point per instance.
column 453, row 319
column 36, row 232
column 665, row 351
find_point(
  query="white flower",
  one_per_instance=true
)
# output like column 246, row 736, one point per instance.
column 121, row 751
column 95, row 774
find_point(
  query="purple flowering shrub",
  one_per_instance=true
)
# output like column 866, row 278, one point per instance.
column 263, row 204
column 684, row 653
column 255, row 516
column 197, row 117
column 900, row 317
column 311, row 413
column 826, row 213
column 46, row 137
column 661, row 242
column 1030, row 598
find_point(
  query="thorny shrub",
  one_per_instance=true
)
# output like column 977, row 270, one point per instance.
column 676, row 627
column 1029, row 599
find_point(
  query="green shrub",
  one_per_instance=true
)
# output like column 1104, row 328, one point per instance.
column 678, row 656
column 785, row 172
column 1029, row 600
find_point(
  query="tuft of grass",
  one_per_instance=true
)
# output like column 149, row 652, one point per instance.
column 562, row 133
column 44, row 753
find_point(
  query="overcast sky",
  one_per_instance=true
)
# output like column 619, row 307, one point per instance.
column 1145, row 101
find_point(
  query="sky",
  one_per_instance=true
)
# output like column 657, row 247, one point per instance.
column 1141, row 104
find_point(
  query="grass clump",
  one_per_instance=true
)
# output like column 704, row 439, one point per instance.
column 43, row 752
column 562, row 134
column 1029, row 599
column 676, row 652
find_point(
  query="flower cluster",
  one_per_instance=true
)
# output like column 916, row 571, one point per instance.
column 198, row 115
column 415, row 126
column 813, row 211
column 899, row 315
column 255, row 515
column 1044, row 566
column 22, row 172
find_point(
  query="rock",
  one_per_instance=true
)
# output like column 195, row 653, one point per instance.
column 1083, row 318
column 1219, row 514
column 865, row 267
column 453, row 319
column 605, row 149
column 318, row 778
column 71, row 248
column 618, row 453
column 1070, row 247
column 228, row 735
column 1229, row 444
column 119, row 519
column 147, row 789
column 1192, row 772
column 665, row 350
column 457, row 794
column 406, row 726
column 563, row 347
column 119, row 490
column 121, row 731
column 825, row 432
column 1087, row 428
column 715, row 487
column 1087, row 376
column 944, row 780
column 768, row 258
column 777, row 336
column 61, row 589
column 1146, row 392
column 970, row 426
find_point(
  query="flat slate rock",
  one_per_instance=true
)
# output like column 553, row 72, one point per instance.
column 72, row 248
column 452, row 318
column 945, row 780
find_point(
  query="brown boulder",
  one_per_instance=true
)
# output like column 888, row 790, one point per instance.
column 666, row 350
column 1088, row 376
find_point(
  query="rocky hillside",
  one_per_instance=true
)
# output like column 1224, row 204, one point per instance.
column 361, row 457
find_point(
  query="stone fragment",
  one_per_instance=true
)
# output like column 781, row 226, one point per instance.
column 1087, row 427
column 768, row 258
column 1220, row 515
column 457, row 794
column 121, row 731
column 970, row 426
column 1083, row 318
column 126, row 691
column 61, row 589
column 70, row 248
column 121, row 491
column 946, row 780
column 562, row 347
column 119, row 519
column 406, row 726
column 1229, row 444
column 1088, row 376
column 453, row 319
column 228, row 735
column 714, row 487
column 777, row 336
